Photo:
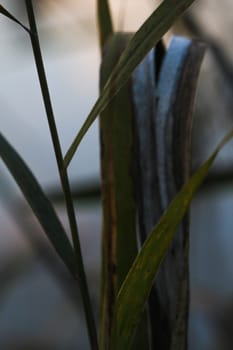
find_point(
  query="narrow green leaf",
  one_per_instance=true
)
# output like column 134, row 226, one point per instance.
column 39, row 203
column 119, row 234
column 6, row 13
column 105, row 25
column 135, row 290
column 144, row 39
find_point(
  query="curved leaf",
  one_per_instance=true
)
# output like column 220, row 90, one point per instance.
column 6, row 13
column 135, row 290
column 39, row 203
column 140, row 44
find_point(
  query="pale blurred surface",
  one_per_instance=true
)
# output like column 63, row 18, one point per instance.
column 29, row 312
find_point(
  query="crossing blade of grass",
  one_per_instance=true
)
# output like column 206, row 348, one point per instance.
column 6, row 13
column 105, row 25
column 39, row 203
column 144, row 39
column 135, row 290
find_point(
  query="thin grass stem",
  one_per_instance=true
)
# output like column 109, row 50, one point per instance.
column 80, row 276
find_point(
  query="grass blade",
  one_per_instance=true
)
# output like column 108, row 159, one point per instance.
column 6, row 13
column 105, row 25
column 139, row 281
column 63, row 176
column 39, row 203
column 119, row 234
column 144, row 39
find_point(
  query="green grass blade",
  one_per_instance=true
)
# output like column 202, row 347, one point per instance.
column 119, row 234
column 105, row 25
column 6, row 13
column 81, row 275
column 135, row 290
column 145, row 38
column 39, row 203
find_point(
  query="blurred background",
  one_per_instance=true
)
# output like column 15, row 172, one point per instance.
column 39, row 305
